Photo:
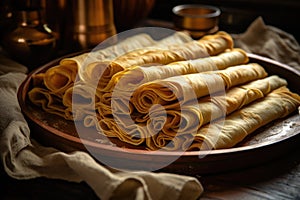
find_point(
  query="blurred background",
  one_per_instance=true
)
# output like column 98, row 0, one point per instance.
column 238, row 14
column 40, row 30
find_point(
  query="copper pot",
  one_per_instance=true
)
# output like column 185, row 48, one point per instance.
column 30, row 42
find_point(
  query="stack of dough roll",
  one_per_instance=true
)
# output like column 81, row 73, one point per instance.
column 50, row 87
column 172, row 94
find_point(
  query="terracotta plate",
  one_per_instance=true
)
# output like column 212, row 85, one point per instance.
column 271, row 141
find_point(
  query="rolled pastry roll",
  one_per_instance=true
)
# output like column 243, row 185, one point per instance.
column 130, row 78
column 206, row 46
column 125, row 45
column 78, row 114
column 111, row 52
column 173, row 91
column 165, row 123
column 55, row 77
column 165, row 142
column 48, row 101
column 81, row 96
column 278, row 104
column 106, row 107
column 191, row 117
column 91, row 66
column 105, row 97
column 112, row 128
column 59, row 78
column 239, row 96
column 104, row 110
column 38, row 80
column 119, row 104
column 91, row 121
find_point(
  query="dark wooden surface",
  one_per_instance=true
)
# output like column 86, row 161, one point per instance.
column 279, row 179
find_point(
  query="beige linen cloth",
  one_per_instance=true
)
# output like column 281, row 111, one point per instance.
column 24, row 158
column 271, row 42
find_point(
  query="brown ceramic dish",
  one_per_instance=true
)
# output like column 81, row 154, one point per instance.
column 269, row 142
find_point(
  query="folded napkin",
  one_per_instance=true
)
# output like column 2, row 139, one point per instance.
column 269, row 41
column 24, row 158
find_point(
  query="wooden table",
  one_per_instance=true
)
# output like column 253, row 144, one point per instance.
column 279, row 179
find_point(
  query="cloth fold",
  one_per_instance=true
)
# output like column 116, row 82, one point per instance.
column 24, row 158
column 269, row 41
